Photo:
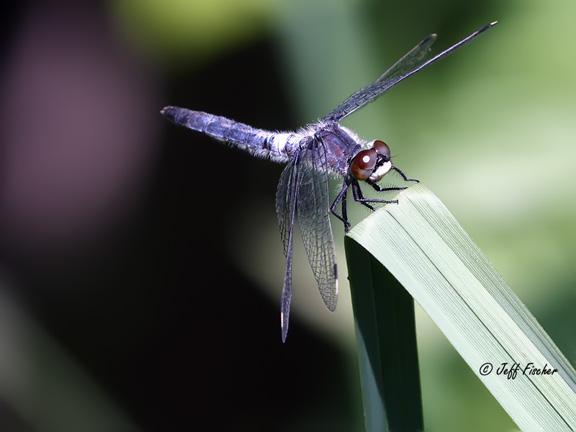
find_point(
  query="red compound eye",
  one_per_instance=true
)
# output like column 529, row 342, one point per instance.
column 363, row 164
column 382, row 149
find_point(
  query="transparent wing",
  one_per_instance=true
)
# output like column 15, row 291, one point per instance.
column 286, row 198
column 413, row 61
column 314, row 222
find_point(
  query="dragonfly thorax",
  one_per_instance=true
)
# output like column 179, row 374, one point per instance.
column 340, row 144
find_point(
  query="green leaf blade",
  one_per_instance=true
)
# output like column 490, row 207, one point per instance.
column 427, row 251
column 387, row 350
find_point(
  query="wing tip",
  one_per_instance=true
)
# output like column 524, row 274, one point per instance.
column 283, row 327
column 331, row 301
column 428, row 40
column 487, row 26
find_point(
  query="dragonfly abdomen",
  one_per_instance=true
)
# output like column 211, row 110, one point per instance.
column 258, row 142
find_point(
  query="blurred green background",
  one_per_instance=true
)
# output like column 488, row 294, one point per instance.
column 141, row 264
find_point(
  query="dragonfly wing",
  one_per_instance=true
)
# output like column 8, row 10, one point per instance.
column 314, row 221
column 412, row 62
column 411, row 59
column 286, row 199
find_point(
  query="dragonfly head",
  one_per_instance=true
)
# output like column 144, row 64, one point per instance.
column 371, row 164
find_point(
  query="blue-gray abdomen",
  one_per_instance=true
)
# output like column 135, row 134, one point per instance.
column 258, row 142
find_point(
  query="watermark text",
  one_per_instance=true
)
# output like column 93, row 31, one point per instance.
column 514, row 370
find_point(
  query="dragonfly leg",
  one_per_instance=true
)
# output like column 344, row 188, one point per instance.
column 379, row 188
column 342, row 197
column 359, row 197
column 404, row 175
column 345, row 211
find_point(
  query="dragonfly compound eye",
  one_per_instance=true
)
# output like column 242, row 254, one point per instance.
column 363, row 164
column 382, row 149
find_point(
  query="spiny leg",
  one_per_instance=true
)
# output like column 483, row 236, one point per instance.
column 359, row 197
column 379, row 188
column 341, row 197
column 345, row 212
column 404, row 175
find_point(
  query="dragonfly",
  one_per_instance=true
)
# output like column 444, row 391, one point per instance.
column 314, row 154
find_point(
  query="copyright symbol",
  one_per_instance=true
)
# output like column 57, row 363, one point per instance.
column 485, row 369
